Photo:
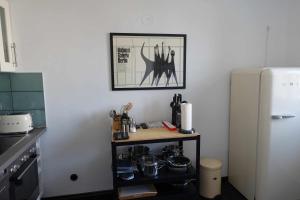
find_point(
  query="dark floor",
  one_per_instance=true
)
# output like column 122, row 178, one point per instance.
column 228, row 193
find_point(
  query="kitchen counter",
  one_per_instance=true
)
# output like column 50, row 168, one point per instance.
column 16, row 150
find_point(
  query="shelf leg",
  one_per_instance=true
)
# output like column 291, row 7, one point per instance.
column 180, row 144
column 114, row 170
column 198, row 164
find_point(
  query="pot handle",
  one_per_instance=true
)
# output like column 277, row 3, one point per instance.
column 161, row 164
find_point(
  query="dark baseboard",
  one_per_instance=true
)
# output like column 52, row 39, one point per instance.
column 224, row 179
column 107, row 194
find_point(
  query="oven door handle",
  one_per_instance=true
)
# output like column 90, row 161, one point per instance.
column 2, row 189
column 26, row 169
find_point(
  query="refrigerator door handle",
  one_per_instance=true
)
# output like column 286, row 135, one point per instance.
column 282, row 116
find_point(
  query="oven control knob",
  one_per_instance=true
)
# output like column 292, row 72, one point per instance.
column 2, row 172
column 32, row 150
column 14, row 168
column 24, row 158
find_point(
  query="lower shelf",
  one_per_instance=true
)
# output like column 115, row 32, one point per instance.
column 164, row 176
column 167, row 192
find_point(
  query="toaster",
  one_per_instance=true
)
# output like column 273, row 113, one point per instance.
column 15, row 123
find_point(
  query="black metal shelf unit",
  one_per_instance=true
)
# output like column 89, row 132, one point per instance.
column 165, row 176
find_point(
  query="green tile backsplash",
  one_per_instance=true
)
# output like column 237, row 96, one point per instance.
column 23, row 92
column 28, row 100
column 5, row 101
column 4, row 112
column 27, row 82
column 5, row 82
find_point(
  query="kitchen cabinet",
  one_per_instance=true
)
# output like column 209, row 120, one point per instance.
column 8, row 61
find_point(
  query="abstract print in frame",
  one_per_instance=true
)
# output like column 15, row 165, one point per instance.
column 148, row 61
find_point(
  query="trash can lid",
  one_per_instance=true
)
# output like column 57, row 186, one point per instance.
column 210, row 163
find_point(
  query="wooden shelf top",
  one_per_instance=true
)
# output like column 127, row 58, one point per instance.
column 155, row 134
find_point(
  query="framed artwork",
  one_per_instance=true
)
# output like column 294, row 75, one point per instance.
column 141, row 61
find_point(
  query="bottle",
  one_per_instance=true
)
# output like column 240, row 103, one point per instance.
column 173, row 106
column 178, row 111
column 125, row 121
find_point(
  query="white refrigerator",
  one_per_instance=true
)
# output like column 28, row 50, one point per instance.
column 264, row 141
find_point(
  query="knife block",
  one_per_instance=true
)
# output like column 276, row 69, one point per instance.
column 117, row 123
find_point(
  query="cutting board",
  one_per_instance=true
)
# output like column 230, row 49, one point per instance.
column 139, row 191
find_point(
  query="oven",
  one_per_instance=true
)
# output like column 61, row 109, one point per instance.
column 24, row 180
column 4, row 186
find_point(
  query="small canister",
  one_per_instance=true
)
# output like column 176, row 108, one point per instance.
column 210, row 178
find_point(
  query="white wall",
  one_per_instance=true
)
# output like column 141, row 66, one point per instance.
column 293, row 51
column 68, row 41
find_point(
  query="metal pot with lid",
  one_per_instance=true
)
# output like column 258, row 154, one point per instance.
column 136, row 152
column 149, row 165
column 172, row 150
column 179, row 163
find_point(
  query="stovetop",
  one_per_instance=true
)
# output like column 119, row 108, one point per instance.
column 7, row 141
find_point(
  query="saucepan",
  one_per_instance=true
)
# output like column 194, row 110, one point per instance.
column 136, row 152
column 149, row 165
column 179, row 163
column 171, row 150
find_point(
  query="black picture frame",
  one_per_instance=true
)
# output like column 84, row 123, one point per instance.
column 139, row 56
